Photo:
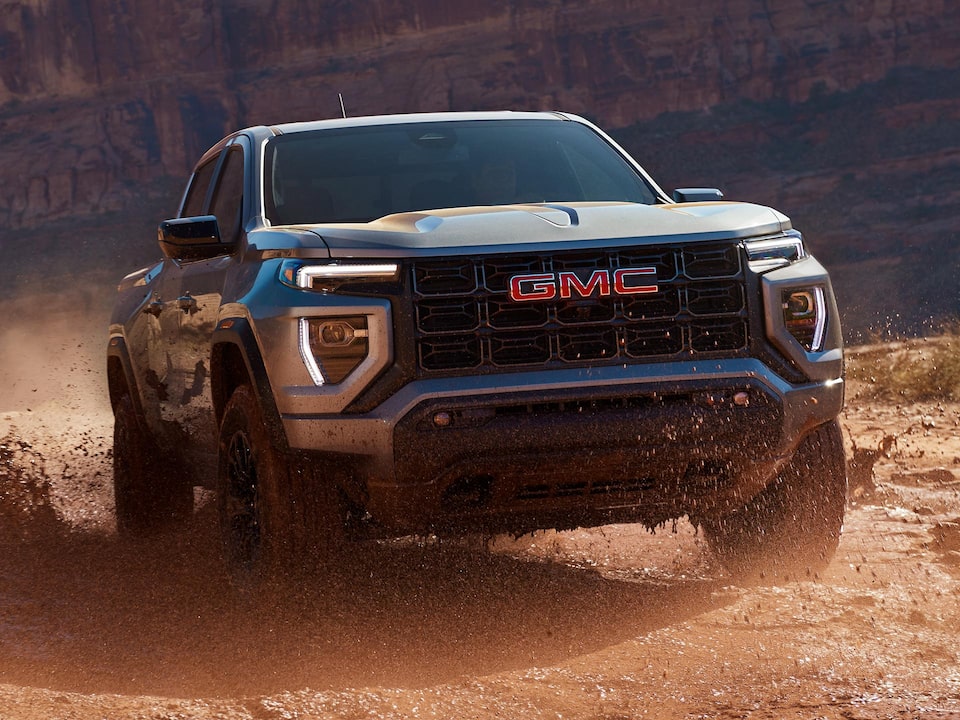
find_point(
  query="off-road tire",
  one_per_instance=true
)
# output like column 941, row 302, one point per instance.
column 793, row 526
column 148, row 497
column 275, row 512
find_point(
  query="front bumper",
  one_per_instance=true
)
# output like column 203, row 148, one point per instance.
column 570, row 447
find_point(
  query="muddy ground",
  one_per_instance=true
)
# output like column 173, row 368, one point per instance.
column 612, row 623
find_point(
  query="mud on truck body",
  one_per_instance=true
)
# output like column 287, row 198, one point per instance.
column 474, row 322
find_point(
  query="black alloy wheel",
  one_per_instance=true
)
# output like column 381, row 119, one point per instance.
column 240, row 520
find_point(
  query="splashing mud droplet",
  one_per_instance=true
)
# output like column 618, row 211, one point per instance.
column 25, row 505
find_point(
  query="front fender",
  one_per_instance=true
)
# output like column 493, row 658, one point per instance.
column 120, row 377
column 235, row 360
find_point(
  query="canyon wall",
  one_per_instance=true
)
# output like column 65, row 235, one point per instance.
column 100, row 99
column 843, row 113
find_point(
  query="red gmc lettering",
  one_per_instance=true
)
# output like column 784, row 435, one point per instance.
column 623, row 279
column 533, row 287
column 546, row 286
column 569, row 281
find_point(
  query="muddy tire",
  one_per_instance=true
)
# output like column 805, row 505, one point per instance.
column 148, row 497
column 794, row 525
column 274, row 511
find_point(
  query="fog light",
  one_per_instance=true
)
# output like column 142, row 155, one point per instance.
column 442, row 419
column 332, row 348
column 805, row 316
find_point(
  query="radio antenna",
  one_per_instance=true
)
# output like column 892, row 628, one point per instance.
column 342, row 111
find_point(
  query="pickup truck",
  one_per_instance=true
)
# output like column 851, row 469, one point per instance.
column 486, row 322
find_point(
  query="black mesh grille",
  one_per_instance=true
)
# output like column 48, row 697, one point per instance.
column 466, row 320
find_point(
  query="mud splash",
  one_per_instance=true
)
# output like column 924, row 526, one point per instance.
column 26, row 508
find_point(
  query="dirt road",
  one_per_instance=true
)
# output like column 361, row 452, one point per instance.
column 608, row 624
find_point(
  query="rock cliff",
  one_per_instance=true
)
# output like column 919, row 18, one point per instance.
column 97, row 99
column 105, row 106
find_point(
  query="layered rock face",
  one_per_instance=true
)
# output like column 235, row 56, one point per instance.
column 843, row 113
column 99, row 100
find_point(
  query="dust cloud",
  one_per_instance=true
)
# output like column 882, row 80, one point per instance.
column 54, row 399
column 607, row 623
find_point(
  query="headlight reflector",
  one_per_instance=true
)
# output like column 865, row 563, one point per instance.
column 805, row 316
column 333, row 347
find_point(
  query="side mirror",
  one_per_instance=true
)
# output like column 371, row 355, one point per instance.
column 193, row 238
column 684, row 195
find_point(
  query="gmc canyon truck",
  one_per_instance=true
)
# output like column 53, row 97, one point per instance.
column 474, row 322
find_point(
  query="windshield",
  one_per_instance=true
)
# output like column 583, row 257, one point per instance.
column 360, row 174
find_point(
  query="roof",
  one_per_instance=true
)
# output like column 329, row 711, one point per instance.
column 371, row 120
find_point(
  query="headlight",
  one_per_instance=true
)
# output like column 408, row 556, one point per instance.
column 776, row 252
column 328, row 277
column 805, row 316
column 333, row 347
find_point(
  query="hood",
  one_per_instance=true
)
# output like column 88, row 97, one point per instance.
column 525, row 228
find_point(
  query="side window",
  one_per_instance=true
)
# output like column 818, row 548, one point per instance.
column 197, row 193
column 227, row 200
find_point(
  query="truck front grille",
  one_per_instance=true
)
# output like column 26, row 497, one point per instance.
column 465, row 319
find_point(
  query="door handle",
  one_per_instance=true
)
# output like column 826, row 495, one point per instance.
column 187, row 303
column 154, row 307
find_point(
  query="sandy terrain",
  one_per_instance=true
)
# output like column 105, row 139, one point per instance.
column 608, row 624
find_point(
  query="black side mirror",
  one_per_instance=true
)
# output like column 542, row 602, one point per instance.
column 684, row 195
column 193, row 238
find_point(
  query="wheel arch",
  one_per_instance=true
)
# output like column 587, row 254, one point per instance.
column 235, row 360
column 120, row 378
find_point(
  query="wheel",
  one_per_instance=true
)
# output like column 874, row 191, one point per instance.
column 273, row 509
column 794, row 525
column 147, row 496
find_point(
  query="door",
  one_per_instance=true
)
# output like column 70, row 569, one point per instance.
column 188, row 296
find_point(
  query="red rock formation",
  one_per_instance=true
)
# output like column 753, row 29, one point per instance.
column 99, row 100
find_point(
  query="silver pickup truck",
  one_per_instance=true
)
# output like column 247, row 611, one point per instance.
column 474, row 322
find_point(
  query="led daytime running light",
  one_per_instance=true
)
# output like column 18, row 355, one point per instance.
column 306, row 274
column 767, row 254
column 799, row 325
column 307, row 354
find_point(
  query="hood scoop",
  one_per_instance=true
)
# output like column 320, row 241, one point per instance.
column 559, row 215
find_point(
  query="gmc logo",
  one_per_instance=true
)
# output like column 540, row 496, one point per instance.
column 548, row 286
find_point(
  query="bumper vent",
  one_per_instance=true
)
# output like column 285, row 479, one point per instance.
column 465, row 319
